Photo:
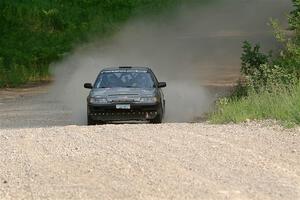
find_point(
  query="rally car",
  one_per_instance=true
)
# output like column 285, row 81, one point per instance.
column 125, row 94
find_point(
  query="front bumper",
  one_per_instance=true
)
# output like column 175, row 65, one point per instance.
column 137, row 111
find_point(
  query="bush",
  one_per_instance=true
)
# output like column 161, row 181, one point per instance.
column 2, row 73
column 270, row 88
column 254, row 64
column 262, row 71
column 252, row 59
column 294, row 18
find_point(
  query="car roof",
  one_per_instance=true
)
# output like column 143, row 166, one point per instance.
column 126, row 68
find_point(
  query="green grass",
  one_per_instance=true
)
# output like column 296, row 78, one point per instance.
column 35, row 33
column 280, row 105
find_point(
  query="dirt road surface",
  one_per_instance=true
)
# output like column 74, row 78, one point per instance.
column 31, row 107
column 43, row 157
column 169, row 161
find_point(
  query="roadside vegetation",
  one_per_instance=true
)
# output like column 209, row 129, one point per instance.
column 270, row 87
column 37, row 33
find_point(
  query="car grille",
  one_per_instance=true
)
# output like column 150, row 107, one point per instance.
column 123, row 115
column 110, row 113
column 123, row 98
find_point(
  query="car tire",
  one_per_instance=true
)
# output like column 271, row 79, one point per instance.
column 156, row 120
column 90, row 122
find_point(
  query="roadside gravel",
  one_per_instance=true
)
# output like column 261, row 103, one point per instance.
column 143, row 161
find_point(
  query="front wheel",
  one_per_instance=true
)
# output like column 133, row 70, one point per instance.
column 90, row 122
column 157, row 119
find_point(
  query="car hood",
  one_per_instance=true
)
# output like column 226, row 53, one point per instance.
column 113, row 92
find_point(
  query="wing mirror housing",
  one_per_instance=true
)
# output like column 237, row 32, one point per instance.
column 88, row 86
column 162, row 84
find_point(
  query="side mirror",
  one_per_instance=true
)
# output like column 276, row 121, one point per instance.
column 162, row 84
column 88, row 86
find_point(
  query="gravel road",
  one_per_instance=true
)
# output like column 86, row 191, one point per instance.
column 168, row 161
column 43, row 157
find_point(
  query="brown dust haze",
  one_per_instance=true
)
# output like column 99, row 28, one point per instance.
column 189, row 48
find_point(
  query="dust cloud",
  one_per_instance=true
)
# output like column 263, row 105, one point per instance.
column 191, row 47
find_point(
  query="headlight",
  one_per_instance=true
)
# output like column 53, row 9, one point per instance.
column 148, row 100
column 96, row 100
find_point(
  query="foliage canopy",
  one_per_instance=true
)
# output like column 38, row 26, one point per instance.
column 35, row 33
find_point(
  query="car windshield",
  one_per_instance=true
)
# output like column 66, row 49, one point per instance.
column 125, row 78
